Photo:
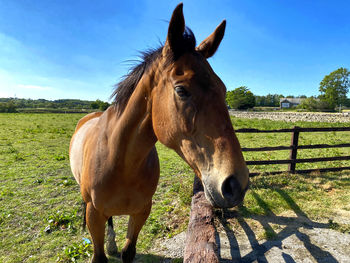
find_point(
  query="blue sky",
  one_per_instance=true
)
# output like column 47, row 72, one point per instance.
column 56, row 49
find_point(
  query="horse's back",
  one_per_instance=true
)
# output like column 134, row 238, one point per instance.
column 76, row 148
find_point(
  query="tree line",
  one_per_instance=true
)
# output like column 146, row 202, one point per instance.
column 333, row 93
column 14, row 104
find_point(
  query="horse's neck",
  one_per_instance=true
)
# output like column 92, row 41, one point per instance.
column 131, row 135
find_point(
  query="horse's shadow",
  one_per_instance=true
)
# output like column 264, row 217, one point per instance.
column 291, row 226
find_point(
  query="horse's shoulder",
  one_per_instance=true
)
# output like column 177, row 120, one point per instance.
column 86, row 118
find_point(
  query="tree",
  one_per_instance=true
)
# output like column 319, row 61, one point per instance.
column 313, row 104
column 98, row 104
column 9, row 107
column 347, row 102
column 104, row 106
column 270, row 100
column 240, row 98
column 334, row 87
column 95, row 105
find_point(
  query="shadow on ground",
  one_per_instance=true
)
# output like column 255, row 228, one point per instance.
column 295, row 241
column 146, row 258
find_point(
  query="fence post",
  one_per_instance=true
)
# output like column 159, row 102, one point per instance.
column 294, row 150
column 200, row 244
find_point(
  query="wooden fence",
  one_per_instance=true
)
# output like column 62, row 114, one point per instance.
column 200, row 241
column 294, row 147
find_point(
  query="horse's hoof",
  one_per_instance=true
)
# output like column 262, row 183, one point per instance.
column 99, row 259
column 128, row 254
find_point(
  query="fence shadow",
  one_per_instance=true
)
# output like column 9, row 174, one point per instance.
column 291, row 226
column 145, row 258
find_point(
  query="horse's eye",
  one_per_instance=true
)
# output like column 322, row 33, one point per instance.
column 182, row 92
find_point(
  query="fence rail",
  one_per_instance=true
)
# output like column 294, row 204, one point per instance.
column 300, row 129
column 294, row 147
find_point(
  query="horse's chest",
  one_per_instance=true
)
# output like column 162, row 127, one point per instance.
column 121, row 187
column 119, row 197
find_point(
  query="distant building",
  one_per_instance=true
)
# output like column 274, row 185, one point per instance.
column 286, row 103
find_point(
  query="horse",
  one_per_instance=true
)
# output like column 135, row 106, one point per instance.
column 172, row 96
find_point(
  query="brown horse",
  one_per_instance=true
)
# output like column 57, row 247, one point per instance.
column 175, row 97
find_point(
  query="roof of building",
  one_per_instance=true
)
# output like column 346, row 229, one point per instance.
column 292, row 100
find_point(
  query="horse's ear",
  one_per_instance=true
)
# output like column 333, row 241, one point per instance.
column 209, row 45
column 176, row 30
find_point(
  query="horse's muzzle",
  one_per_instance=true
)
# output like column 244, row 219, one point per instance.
column 229, row 194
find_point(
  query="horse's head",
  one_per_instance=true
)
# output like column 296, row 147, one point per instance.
column 190, row 115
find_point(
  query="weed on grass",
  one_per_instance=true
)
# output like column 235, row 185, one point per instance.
column 76, row 251
column 61, row 221
column 60, row 157
column 6, row 192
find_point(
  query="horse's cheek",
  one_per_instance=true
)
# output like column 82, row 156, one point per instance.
column 189, row 119
column 164, row 128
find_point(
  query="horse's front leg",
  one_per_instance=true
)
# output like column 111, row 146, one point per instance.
column 96, row 222
column 136, row 222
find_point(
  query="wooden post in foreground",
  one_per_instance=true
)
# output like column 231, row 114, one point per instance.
column 200, row 244
column 294, row 150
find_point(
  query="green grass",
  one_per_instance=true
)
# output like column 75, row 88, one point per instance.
column 40, row 211
column 314, row 194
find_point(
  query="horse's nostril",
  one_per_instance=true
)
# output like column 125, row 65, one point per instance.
column 230, row 188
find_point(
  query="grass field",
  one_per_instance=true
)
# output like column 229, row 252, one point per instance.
column 40, row 203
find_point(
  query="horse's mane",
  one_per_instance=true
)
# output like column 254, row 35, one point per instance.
column 124, row 89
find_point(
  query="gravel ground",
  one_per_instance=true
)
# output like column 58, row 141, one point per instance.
column 298, row 239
